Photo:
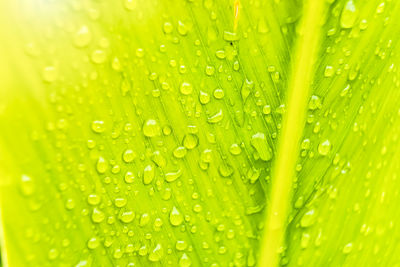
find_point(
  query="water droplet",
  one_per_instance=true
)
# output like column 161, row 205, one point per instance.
column 210, row 70
column 130, row 4
column 220, row 54
column 314, row 103
column 148, row 174
column 380, row 8
column 156, row 254
column 70, row 204
column 93, row 243
column 99, row 56
column 349, row 15
column 129, row 177
column 151, row 128
column 175, row 217
column 190, row 141
column 144, row 219
column 101, row 165
column 204, row 98
column 172, row 176
column 53, row 254
column 97, row 215
column 235, row 149
column 348, row 248
column 27, row 185
column 185, row 261
column 217, row 117
column 168, row 27
column 120, row 202
column 82, row 37
column 247, row 87
column 308, row 218
column 98, row 126
column 49, row 74
column 219, row 93
column 259, row 142
column 93, row 199
column 267, row 109
column 129, row 155
column 324, row 147
column 180, row 152
column 186, row 88
column 230, row 36
column 305, row 240
column 329, row 71
column 182, row 29
column 225, row 170
column 158, row 159
column 181, row 245
column 127, row 216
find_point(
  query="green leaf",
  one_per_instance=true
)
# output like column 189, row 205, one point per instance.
column 199, row 133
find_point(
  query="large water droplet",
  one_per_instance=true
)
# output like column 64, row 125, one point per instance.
column 151, row 128
column 349, row 15
column 175, row 217
column 259, row 142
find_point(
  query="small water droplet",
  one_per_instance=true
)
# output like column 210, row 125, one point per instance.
column 315, row 103
column 235, row 149
column 329, row 71
column 99, row 56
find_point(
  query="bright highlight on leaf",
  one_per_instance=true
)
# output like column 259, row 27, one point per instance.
column 199, row 133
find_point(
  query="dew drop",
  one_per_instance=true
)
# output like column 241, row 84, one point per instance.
column 349, row 15
column 156, row 254
column 217, row 117
column 314, row 103
column 49, row 74
column 98, row 126
column 186, row 88
column 148, row 174
column 329, row 71
column 308, row 218
column 120, row 202
column 190, row 141
column 151, row 128
column 204, row 98
column 97, row 215
column 172, row 176
column 259, row 142
column 128, row 155
column 101, row 165
column 175, row 217
column 235, row 149
column 93, row 199
column 82, row 37
column 93, row 243
column 185, row 261
column 324, row 148
column 127, row 216
column 180, row 152
column 99, row 56
column 27, row 186
column 225, row 170
column 129, row 177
